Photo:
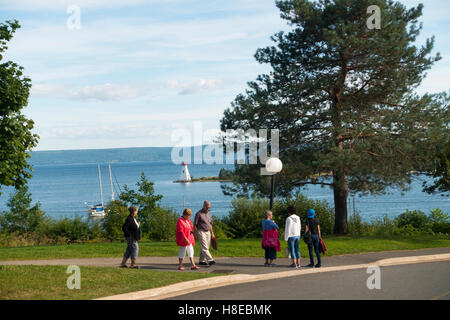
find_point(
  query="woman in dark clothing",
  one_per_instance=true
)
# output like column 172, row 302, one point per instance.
column 132, row 232
column 312, row 224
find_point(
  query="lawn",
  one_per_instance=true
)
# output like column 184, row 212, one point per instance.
column 227, row 248
column 49, row 282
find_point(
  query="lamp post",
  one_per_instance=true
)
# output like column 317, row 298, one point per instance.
column 273, row 166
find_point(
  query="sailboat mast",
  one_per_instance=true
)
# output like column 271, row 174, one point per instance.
column 100, row 180
column 110, row 179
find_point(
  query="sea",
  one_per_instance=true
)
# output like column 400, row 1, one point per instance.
column 65, row 189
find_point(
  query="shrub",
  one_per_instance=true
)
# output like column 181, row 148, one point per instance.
column 22, row 217
column 383, row 226
column 324, row 212
column 440, row 221
column 356, row 227
column 219, row 228
column 116, row 213
column 245, row 218
column 162, row 223
column 74, row 230
column 416, row 219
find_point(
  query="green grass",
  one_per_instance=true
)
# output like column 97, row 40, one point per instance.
column 227, row 248
column 49, row 282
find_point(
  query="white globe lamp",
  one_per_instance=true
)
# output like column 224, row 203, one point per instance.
column 274, row 166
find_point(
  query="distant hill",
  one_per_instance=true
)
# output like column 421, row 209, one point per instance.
column 102, row 155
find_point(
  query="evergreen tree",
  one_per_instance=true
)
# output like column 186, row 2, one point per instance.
column 343, row 98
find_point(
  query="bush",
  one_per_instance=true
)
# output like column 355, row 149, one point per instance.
column 74, row 230
column 219, row 228
column 440, row 221
column 245, row 218
column 324, row 213
column 356, row 227
column 116, row 213
column 22, row 217
column 416, row 219
column 163, row 224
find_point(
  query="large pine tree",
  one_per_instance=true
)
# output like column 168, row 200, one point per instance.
column 343, row 98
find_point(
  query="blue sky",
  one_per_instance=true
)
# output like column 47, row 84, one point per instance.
column 137, row 70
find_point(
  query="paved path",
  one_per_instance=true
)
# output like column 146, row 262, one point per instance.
column 424, row 281
column 234, row 265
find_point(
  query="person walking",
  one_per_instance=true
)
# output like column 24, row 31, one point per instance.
column 312, row 225
column 203, row 230
column 270, row 242
column 185, row 239
column 292, row 235
column 132, row 232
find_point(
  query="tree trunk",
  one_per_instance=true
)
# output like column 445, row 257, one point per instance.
column 340, row 189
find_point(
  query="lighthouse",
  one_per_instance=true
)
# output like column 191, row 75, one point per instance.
column 185, row 176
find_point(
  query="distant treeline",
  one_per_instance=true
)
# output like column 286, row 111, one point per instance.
column 104, row 155
column 100, row 156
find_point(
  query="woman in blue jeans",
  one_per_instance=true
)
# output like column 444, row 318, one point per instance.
column 292, row 235
column 312, row 224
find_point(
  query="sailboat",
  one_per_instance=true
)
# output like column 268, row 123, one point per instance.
column 98, row 211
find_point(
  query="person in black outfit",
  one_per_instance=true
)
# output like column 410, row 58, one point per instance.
column 132, row 232
column 312, row 224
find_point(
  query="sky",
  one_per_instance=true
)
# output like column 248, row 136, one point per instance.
column 137, row 71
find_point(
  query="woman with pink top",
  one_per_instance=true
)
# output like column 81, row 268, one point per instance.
column 185, row 239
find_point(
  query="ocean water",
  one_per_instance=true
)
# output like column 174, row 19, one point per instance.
column 63, row 189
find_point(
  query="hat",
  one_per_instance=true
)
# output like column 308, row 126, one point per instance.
column 311, row 213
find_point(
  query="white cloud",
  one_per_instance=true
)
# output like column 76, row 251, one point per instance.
column 48, row 89
column 200, row 86
column 108, row 92
column 36, row 5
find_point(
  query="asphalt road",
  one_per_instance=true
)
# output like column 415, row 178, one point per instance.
column 425, row 281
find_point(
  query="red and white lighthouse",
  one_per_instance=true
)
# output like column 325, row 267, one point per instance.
column 185, row 176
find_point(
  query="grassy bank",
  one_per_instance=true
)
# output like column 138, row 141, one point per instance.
column 49, row 282
column 227, row 248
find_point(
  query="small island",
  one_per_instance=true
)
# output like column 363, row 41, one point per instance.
column 224, row 176
column 204, row 179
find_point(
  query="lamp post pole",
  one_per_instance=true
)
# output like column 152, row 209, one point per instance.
column 272, row 187
column 273, row 166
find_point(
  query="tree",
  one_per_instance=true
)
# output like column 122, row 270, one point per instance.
column 145, row 199
column 22, row 217
column 16, row 139
column 343, row 99
column 441, row 172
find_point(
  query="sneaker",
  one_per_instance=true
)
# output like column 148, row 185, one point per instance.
column 293, row 265
column 212, row 263
column 311, row 265
column 124, row 267
column 266, row 264
column 317, row 266
column 203, row 263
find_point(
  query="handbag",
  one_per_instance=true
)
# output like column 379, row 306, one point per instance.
column 322, row 247
column 307, row 237
column 288, row 253
column 214, row 243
